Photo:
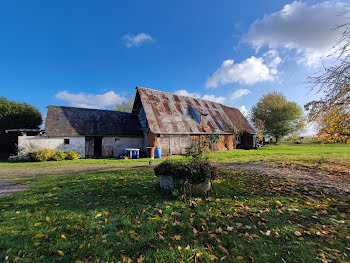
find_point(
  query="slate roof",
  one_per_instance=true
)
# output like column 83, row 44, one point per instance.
column 168, row 113
column 70, row 121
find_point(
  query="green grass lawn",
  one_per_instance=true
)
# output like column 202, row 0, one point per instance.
column 122, row 215
column 332, row 158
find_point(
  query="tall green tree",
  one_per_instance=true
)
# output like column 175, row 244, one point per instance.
column 280, row 116
column 14, row 115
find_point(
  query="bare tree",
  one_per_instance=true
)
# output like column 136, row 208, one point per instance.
column 331, row 113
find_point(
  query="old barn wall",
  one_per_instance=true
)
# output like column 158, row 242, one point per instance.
column 177, row 144
column 114, row 146
column 44, row 142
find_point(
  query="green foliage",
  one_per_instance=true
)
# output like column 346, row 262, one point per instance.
column 212, row 139
column 72, row 155
column 58, row 156
column 280, row 116
column 195, row 150
column 14, row 115
column 195, row 171
column 53, row 155
column 42, row 155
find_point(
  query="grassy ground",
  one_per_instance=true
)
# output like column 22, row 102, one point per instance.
column 122, row 215
column 331, row 158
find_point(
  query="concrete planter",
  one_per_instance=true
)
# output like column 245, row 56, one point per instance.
column 168, row 183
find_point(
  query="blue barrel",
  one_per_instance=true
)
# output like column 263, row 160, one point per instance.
column 158, row 153
column 135, row 155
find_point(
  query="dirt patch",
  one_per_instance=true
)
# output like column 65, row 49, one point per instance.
column 8, row 189
column 328, row 183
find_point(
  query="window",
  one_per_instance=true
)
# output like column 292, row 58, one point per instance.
column 65, row 141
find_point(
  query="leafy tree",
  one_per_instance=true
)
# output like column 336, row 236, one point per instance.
column 125, row 106
column 280, row 116
column 14, row 115
column 331, row 113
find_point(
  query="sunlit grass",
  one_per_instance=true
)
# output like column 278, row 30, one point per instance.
column 114, row 216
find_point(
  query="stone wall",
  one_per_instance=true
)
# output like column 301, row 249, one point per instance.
column 45, row 142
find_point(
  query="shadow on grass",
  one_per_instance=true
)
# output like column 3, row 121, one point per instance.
column 108, row 215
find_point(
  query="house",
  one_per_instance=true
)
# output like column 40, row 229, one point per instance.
column 158, row 119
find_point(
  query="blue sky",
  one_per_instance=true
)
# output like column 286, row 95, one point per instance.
column 92, row 53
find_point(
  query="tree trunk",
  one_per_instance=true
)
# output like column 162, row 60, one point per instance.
column 277, row 138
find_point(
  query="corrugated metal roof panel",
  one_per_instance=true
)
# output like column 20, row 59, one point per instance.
column 168, row 113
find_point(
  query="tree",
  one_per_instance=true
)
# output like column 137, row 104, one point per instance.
column 125, row 106
column 331, row 113
column 14, row 115
column 280, row 116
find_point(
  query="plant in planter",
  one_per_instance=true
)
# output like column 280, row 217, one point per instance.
column 194, row 175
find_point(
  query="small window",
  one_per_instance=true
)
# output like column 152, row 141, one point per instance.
column 65, row 141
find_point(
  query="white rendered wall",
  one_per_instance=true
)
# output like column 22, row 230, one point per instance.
column 44, row 142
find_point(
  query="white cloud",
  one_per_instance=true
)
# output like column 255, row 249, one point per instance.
column 137, row 40
column 244, row 111
column 306, row 29
column 249, row 71
column 184, row 92
column 239, row 93
column 83, row 100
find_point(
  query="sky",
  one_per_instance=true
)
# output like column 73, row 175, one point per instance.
column 94, row 53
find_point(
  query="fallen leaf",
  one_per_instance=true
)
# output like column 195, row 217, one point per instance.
column 60, row 252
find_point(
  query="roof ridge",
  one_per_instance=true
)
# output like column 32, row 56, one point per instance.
column 92, row 109
column 189, row 97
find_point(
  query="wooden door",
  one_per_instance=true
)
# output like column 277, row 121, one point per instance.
column 89, row 147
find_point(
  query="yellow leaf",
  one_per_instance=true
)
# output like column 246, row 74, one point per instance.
column 60, row 252
column 106, row 213
column 98, row 215
column 78, row 261
column 239, row 258
column 322, row 255
column 63, row 237
column 81, row 246
column 140, row 259
column 36, row 243
column 18, row 212
column 39, row 235
column 48, row 219
column 278, row 202
column 37, row 224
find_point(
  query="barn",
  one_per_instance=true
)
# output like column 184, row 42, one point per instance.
column 158, row 119
column 172, row 122
column 93, row 133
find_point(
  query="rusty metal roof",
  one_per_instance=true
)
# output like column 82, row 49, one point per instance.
column 169, row 113
column 71, row 121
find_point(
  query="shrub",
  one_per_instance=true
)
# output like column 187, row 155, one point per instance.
column 42, row 155
column 58, row 156
column 72, row 155
column 196, row 171
column 195, row 150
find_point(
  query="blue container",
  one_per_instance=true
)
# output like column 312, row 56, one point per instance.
column 135, row 155
column 157, row 153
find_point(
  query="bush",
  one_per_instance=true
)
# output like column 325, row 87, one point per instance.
column 53, row 155
column 195, row 150
column 42, row 155
column 72, row 155
column 58, row 156
column 196, row 171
